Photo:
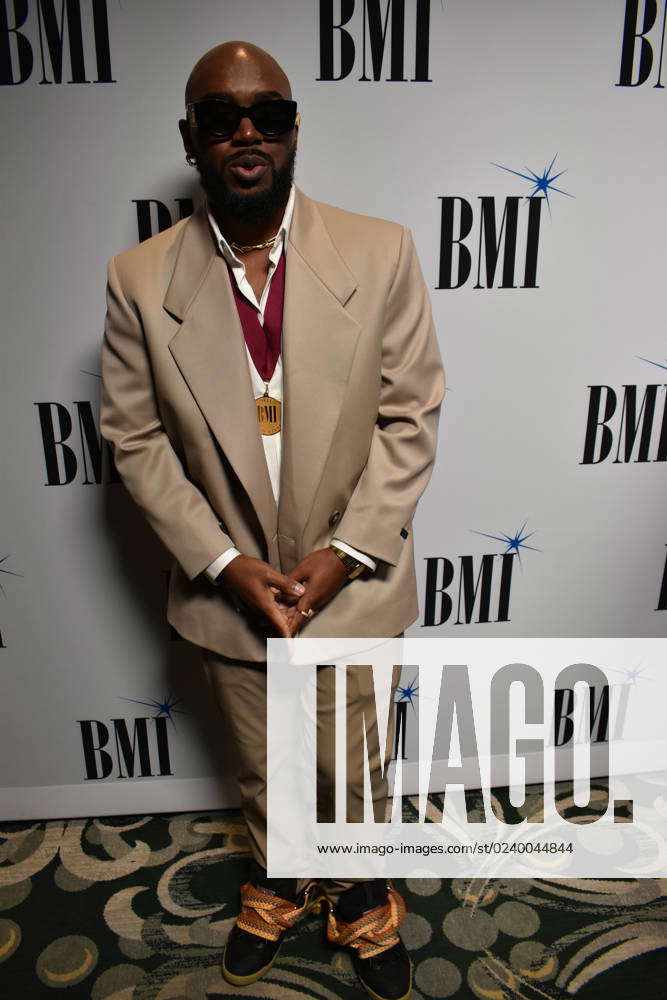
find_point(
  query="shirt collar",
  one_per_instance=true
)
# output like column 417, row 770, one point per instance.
column 276, row 249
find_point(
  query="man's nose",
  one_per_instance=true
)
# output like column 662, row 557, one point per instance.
column 246, row 133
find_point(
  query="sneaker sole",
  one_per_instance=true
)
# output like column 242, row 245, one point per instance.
column 234, row 980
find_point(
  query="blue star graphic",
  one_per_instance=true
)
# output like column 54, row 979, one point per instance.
column 649, row 362
column 409, row 692
column 543, row 182
column 8, row 572
column 165, row 707
column 514, row 542
column 633, row 675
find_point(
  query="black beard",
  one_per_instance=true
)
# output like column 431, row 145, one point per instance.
column 252, row 206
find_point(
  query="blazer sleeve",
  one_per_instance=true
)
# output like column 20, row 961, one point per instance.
column 146, row 461
column 403, row 444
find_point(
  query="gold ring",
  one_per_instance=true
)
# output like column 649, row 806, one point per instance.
column 307, row 614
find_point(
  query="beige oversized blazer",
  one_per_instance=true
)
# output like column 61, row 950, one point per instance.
column 362, row 388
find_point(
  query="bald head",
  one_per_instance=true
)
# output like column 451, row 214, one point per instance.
column 235, row 65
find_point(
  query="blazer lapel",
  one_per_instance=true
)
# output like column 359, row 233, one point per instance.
column 209, row 349
column 319, row 341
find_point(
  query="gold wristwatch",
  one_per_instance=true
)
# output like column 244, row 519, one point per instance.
column 353, row 568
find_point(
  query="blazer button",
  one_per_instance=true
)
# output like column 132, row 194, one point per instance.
column 334, row 518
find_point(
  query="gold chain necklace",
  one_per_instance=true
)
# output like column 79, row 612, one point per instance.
column 255, row 246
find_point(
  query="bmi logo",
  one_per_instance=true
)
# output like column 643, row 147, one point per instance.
column 71, row 41
column 73, row 447
column 154, row 216
column 479, row 586
column 500, row 236
column 144, row 754
column 643, row 44
column 626, row 424
column 371, row 36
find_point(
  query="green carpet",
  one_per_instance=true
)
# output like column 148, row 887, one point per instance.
column 138, row 908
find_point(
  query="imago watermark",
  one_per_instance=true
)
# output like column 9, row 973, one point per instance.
column 467, row 757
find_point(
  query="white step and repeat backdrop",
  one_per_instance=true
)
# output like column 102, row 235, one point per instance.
column 524, row 144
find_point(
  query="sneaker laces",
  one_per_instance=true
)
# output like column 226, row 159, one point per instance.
column 372, row 932
column 266, row 915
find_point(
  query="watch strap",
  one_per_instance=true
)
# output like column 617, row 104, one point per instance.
column 353, row 567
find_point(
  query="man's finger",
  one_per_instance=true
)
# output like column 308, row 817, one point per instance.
column 309, row 600
column 297, row 622
column 285, row 585
column 292, row 622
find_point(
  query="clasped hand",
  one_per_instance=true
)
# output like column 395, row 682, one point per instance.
column 284, row 599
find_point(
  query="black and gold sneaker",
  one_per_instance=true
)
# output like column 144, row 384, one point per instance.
column 269, row 907
column 366, row 919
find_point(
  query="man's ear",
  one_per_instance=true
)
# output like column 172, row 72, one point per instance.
column 184, row 129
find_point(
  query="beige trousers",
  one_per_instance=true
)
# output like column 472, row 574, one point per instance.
column 239, row 688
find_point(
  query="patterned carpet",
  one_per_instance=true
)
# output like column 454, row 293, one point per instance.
column 138, row 908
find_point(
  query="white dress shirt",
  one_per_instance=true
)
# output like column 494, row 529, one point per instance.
column 271, row 442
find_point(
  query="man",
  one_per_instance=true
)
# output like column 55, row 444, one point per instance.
column 271, row 390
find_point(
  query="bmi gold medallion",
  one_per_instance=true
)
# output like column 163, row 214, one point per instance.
column 268, row 414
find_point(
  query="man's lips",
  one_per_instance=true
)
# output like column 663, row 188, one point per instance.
column 248, row 173
column 249, row 167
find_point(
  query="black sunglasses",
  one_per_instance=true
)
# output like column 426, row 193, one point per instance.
column 222, row 118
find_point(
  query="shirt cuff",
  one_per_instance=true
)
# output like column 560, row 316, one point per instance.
column 215, row 569
column 361, row 556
